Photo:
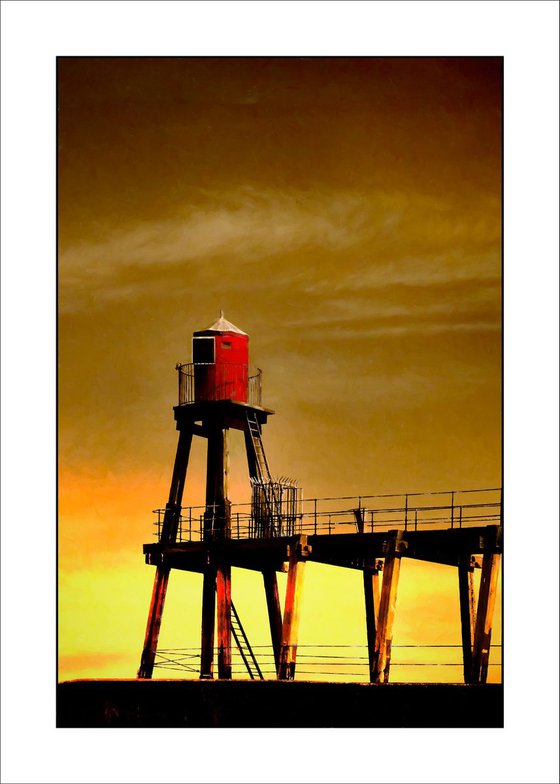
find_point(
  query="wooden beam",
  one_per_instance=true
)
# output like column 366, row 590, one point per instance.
column 168, row 535
column 208, row 617
column 233, row 414
column 466, row 602
column 274, row 612
column 355, row 551
column 216, row 483
column 223, row 590
column 217, row 577
column 484, row 616
column 154, row 623
column 387, row 605
column 173, row 506
column 371, row 595
column 290, row 624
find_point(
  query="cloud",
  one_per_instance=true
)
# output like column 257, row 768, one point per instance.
column 301, row 236
column 245, row 226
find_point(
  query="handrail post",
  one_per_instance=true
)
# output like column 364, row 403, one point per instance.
column 406, row 512
column 315, row 514
column 452, row 506
column 416, row 519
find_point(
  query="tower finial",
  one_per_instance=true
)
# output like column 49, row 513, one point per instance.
column 221, row 313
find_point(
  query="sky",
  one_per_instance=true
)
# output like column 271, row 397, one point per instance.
column 346, row 213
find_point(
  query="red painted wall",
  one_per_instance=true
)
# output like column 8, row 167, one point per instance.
column 227, row 378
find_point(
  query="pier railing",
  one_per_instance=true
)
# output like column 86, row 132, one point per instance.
column 353, row 514
column 226, row 379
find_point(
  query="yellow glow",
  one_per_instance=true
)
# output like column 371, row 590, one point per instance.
column 347, row 215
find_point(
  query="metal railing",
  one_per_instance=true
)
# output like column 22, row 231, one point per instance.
column 354, row 514
column 226, row 382
column 275, row 508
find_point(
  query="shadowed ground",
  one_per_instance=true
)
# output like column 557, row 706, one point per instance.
column 194, row 703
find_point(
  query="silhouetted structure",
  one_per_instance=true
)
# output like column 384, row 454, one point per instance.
column 280, row 533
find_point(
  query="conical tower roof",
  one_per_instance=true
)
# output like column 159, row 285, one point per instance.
column 223, row 325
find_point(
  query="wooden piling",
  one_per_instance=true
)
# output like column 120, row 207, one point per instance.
column 274, row 612
column 371, row 595
column 223, row 591
column 467, row 604
column 290, row 625
column 484, row 616
column 168, row 535
column 208, row 619
column 154, row 622
column 217, row 576
column 387, row 605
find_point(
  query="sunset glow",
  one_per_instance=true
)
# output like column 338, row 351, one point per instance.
column 345, row 213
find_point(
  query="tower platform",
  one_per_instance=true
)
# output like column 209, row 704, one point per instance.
column 197, row 416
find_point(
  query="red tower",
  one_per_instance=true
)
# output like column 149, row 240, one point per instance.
column 216, row 394
column 221, row 360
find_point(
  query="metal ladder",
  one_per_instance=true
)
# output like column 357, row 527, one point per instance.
column 263, row 471
column 244, row 647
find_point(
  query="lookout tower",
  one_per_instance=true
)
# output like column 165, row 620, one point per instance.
column 217, row 392
column 459, row 529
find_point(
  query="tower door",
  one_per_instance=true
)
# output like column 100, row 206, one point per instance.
column 204, row 351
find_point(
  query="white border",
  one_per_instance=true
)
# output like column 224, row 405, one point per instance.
column 33, row 33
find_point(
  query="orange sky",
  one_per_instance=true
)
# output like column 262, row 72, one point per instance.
column 346, row 213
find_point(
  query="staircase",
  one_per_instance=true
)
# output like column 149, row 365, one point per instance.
column 263, row 471
column 244, row 647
